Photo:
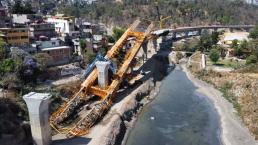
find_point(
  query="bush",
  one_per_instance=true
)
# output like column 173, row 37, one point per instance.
column 179, row 55
column 214, row 55
column 254, row 33
column 7, row 65
column 117, row 33
column 251, row 59
column 43, row 59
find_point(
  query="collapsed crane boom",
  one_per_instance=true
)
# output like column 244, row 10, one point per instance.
column 90, row 88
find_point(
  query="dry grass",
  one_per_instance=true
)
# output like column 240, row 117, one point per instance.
column 241, row 90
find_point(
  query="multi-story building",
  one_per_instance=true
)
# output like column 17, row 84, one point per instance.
column 59, row 52
column 42, row 30
column 16, row 36
column 62, row 24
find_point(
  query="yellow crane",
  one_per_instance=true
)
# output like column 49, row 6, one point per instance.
column 90, row 87
column 162, row 21
column 160, row 17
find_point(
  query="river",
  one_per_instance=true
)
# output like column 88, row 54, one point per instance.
column 178, row 116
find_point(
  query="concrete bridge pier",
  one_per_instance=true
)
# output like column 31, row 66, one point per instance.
column 174, row 35
column 37, row 104
column 102, row 67
column 199, row 32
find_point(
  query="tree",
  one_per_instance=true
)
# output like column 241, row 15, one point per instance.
column 251, row 59
column 110, row 39
column 30, row 70
column 83, row 44
column 254, row 33
column 205, row 42
column 27, row 9
column 234, row 44
column 43, row 59
column 253, row 46
column 215, row 38
column 7, row 65
column 117, row 32
column 3, row 51
column 19, row 8
column 214, row 55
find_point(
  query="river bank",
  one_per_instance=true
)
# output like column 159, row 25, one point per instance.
column 233, row 131
column 178, row 115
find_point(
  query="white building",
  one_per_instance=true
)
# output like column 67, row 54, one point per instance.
column 62, row 25
column 25, row 18
column 254, row 2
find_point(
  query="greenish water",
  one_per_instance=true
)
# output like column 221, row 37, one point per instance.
column 178, row 116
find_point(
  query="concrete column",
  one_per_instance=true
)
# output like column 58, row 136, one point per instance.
column 199, row 32
column 186, row 34
column 203, row 61
column 102, row 67
column 37, row 104
column 174, row 35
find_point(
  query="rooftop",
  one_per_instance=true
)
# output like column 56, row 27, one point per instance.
column 55, row 48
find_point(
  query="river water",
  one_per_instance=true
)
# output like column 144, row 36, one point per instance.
column 179, row 115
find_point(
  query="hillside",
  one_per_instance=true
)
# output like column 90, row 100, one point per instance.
column 183, row 13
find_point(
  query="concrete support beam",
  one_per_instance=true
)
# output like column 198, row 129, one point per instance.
column 37, row 104
column 102, row 67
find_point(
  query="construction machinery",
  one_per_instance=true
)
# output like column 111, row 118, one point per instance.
column 141, row 32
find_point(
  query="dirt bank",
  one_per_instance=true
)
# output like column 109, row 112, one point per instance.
column 233, row 131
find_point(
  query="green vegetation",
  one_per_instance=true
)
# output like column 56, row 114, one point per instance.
column 234, row 44
column 117, row 33
column 251, row 59
column 43, row 59
column 20, row 8
column 182, row 12
column 214, row 55
column 254, row 33
column 207, row 41
column 7, row 65
column 3, row 51
column 83, row 44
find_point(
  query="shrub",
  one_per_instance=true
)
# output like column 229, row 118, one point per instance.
column 179, row 55
column 214, row 55
column 251, row 59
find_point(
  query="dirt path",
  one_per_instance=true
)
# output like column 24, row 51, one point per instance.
column 233, row 131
